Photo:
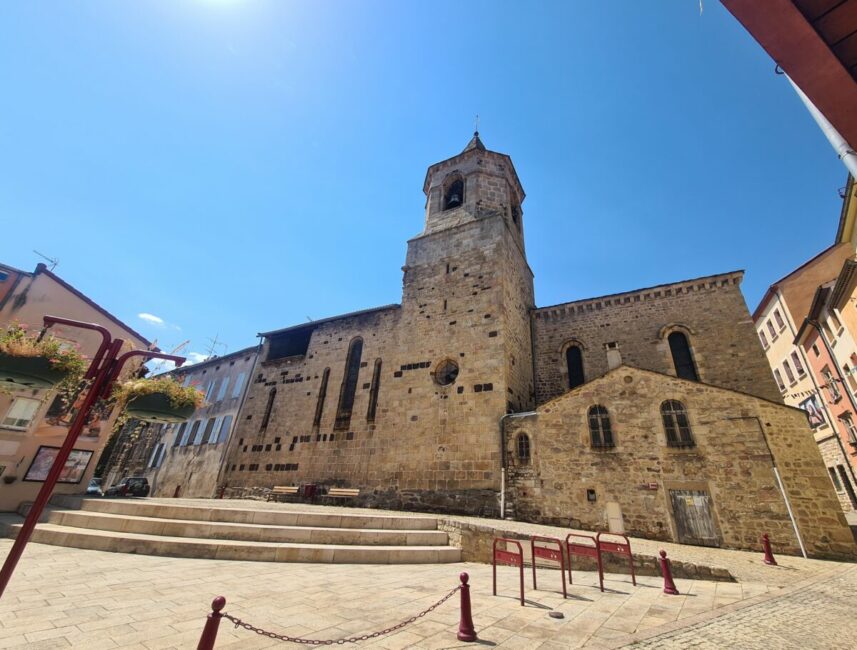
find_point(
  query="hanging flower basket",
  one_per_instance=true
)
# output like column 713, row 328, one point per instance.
column 161, row 399
column 156, row 407
column 26, row 362
column 29, row 372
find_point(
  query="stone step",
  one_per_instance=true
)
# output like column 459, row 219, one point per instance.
column 123, row 523
column 146, row 508
column 101, row 540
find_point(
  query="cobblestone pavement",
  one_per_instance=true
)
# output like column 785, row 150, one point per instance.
column 818, row 616
column 66, row 597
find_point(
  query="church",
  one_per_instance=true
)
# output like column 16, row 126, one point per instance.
column 652, row 411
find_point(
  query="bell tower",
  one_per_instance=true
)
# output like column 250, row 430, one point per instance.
column 475, row 184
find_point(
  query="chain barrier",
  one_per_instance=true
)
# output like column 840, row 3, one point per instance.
column 354, row 639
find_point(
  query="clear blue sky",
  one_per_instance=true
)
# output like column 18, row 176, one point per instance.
column 235, row 166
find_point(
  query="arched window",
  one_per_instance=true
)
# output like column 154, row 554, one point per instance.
column 373, row 392
column 270, row 405
column 682, row 358
column 523, row 448
column 349, row 385
column 453, row 193
column 676, row 424
column 319, row 405
column 600, row 432
column 574, row 361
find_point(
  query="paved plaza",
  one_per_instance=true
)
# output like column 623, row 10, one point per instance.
column 73, row 598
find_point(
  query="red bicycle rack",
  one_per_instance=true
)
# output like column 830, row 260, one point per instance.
column 619, row 549
column 555, row 555
column 584, row 550
column 509, row 558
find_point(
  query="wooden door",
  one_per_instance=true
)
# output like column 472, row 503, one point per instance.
column 693, row 518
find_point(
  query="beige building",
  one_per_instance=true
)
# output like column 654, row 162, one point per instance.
column 32, row 423
column 186, row 459
column 637, row 411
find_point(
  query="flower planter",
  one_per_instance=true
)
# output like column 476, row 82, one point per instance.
column 156, row 407
column 29, row 372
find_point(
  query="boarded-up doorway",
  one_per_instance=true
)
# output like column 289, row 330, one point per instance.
column 693, row 518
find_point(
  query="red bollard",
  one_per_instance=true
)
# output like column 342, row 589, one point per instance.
column 209, row 632
column 466, row 631
column 769, row 556
column 666, row 571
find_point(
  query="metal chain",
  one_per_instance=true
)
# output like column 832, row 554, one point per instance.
column 354, row 639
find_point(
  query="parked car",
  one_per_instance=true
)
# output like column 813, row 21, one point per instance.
column 130, row 486
column 94, row 488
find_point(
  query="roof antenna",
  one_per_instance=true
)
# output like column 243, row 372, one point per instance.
column 212, row 349
column 53, row 261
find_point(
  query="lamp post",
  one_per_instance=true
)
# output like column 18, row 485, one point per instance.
column 101, row 375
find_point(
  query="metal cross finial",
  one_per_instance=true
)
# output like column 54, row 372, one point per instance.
column 476, row 132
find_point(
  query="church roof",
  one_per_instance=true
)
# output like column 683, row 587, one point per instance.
column 475, row 143
column 321, row 321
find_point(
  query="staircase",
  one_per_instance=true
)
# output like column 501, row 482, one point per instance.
column 270, row 535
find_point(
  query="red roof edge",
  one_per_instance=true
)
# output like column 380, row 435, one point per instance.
column 42, row 269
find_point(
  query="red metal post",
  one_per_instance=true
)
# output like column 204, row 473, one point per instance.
column 666, row 572
column 769, row 556
column 584, row 550
column 555, row 555
column 103, row 370
column 509, row 558
column 466, row 631
column 209, row 632
column 619, row 548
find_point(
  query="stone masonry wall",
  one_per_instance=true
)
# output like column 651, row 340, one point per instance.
column 731, row 461
column 430, row 447
column 711, row 311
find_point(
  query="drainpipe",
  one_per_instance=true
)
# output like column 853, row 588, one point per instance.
column 817, row 328
column 846, row 154
column 502, row 423
column 777, row 476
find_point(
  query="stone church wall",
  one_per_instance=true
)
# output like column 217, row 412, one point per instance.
column 731, row 461
column 711, row 311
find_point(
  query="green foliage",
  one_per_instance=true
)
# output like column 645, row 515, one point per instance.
column 15, row 341
column 180, row 396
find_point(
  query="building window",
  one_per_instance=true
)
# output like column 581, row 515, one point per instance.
column 210, row 390
column 837, row 324
column 833, row 477
column 789, row 374
column 212, row 428
column 268, row 408
column 190, row 435
column 574, row 363
column 848, row 371
column 179, row 434
column 222, row 392
column 771, row 330
column 832, row 388
column 319, row 405
column 600, row 432
column 157, row 456
column 798, row 365
column 373, row 392
column 676, row 424
column 682, row 357
column 523, row 445
column 778, row 317
column 779, row 377
column 446, row 372
column 224, row 428
column 815, row 350
column 453, row 192
column 763, row 339
column 239, row 384
column 850, row 427
column 21, row 413
column 349, row 385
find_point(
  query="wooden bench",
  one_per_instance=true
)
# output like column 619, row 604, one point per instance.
column 342, row 493
column 280, row 491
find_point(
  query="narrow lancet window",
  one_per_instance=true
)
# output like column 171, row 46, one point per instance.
column 349, row 385
column 373, row 392
column 574, row 361
column 319, row 405
column 682, row 357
